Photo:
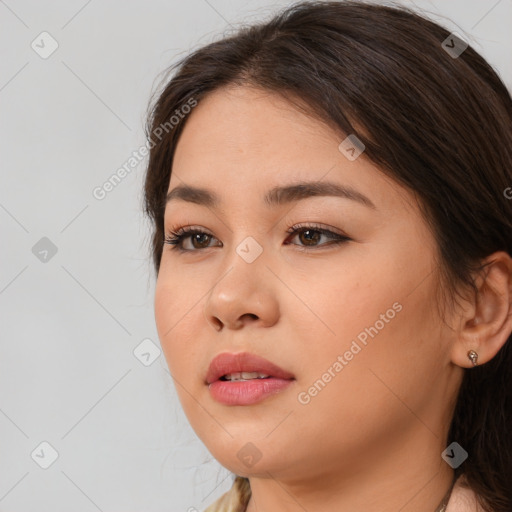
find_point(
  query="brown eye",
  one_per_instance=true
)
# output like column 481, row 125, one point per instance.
column 200, row 240
column 310, row 236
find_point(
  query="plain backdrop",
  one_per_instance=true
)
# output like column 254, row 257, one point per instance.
column 83, row 389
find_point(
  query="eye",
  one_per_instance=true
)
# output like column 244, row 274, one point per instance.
column 308, row 234
column 198, row 238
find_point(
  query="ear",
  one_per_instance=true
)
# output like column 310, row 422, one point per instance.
column 487, row 321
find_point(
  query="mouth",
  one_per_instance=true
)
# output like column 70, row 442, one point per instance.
column 243, row 376
column 243, row 366
column 245, row 379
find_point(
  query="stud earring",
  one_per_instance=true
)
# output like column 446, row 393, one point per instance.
column 473, row 356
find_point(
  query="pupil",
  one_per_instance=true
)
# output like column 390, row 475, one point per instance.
column 315, row 236
column 197, row 238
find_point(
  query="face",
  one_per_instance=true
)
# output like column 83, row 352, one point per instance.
column 334, row 289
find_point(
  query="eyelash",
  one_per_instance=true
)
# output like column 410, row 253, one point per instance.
column 176, row 237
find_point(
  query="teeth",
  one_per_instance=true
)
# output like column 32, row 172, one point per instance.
column 245, row 376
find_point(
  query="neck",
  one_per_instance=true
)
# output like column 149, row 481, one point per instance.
column 412, row 480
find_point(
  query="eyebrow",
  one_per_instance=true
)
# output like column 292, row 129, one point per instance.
column 276, row 196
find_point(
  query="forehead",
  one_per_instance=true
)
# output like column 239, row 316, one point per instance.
column 249, row 140
column 247, row 123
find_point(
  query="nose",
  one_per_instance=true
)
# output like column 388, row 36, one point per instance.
column 245, row 293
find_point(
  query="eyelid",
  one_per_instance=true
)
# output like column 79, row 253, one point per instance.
column 177, row 235
column 179, row 229
column 189, row 227
column 317, row 226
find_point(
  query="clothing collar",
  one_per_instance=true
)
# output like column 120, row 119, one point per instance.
column 462, row 498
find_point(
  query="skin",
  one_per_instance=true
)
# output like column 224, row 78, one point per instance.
column 371, row 439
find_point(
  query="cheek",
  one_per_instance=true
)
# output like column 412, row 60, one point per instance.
column 343, row 302
column 374, row 315
column 165, row 309
column 176, row 307
column 177, row 297
column 377, row 384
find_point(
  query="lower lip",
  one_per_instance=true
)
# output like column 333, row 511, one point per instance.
column 246, row 392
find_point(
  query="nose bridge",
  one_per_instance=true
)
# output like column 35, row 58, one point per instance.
column 250, row 250
column 248, row 234
column 245, row 266
column 243, row 287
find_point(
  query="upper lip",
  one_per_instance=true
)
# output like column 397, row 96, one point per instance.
column 226, row 363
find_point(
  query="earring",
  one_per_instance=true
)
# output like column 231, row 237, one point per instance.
column 473, row 356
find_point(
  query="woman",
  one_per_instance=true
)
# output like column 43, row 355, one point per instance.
column 330, row 197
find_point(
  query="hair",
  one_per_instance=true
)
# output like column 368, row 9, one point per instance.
column 438, row 125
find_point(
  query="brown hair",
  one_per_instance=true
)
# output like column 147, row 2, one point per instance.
column 438, row 125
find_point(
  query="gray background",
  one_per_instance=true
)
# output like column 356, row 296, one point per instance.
column 70, row 322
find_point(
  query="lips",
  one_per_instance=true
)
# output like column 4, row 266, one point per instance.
column 227, row 363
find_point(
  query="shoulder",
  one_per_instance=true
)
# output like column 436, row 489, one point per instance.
column 463, row 498
column 235, row 500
